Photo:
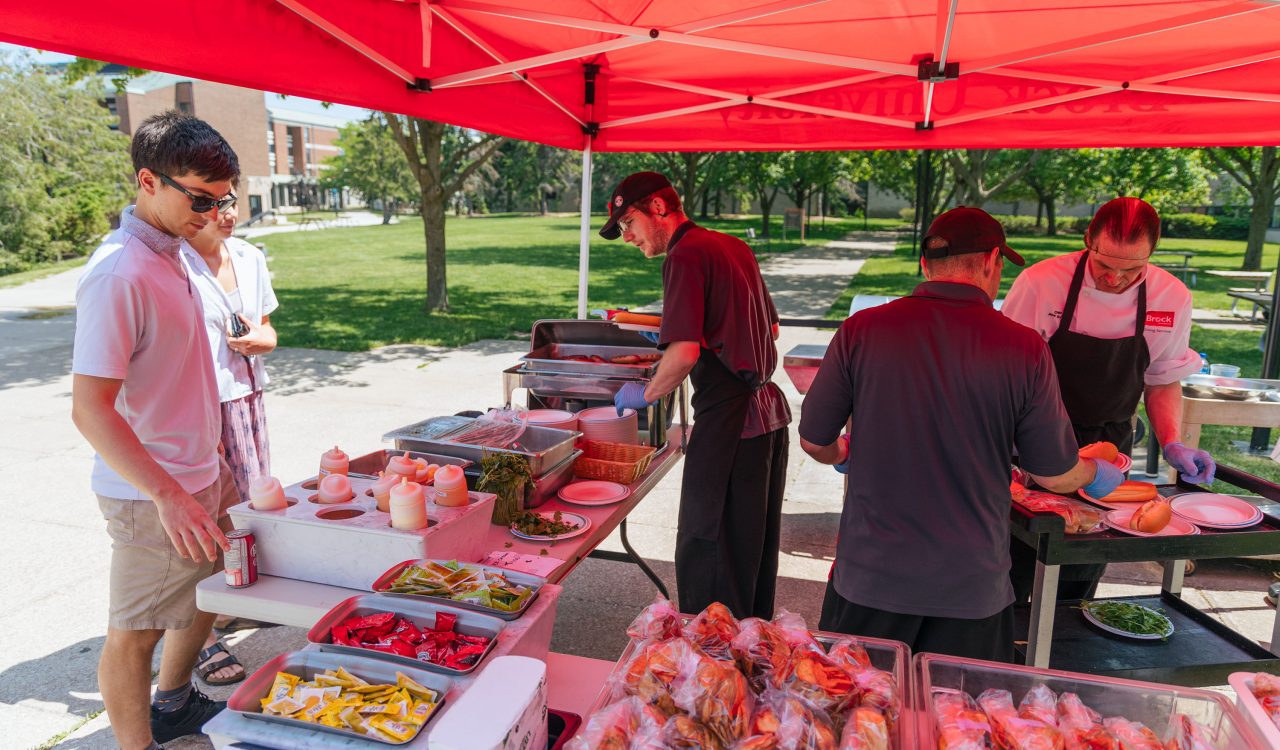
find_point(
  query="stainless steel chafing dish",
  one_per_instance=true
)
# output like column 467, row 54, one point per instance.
column 1232, row 389
column 554, row 382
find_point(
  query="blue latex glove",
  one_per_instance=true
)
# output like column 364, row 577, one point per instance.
column 650, row 336
column 1105, row 481
column 1195, row 465
column 630, row 396
column 842, row 467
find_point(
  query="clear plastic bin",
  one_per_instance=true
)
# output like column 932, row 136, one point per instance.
column 885, row 655
column 1153, row 704
column 1251, row 708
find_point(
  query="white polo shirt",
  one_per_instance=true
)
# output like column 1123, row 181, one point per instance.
column 139, row 320
column 253, row 298
column 1040, row 292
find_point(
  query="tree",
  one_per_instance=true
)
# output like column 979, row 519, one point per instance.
column 761, row 173
column 806, row 172
column 899, row 173
column 1256, row 169
column 371, row 163
column 1058, row 175
column 442, row 158
column 63, row 171
column 982, row 173
column 1164, row 177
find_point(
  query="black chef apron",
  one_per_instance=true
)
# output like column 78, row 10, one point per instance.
column 728, row 554
column 1101, row 382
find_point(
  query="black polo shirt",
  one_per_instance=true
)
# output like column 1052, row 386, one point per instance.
column 713, row 293
column 941, row 389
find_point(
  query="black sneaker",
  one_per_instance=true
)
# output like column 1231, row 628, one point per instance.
column 187, row 720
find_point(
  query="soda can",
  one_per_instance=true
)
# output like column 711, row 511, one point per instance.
column 241, row 559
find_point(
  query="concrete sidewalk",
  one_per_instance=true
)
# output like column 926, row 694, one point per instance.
column 51, row 632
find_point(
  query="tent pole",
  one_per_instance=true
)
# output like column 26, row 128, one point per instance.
column 584, row 240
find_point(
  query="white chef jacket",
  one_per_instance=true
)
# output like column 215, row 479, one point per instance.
column 1038, row 295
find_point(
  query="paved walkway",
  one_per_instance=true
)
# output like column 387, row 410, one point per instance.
column 56, row 553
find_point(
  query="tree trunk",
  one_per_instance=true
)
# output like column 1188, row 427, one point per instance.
column 432, row 209
column 386, row 210
column 1040, row 213
column 766, row 198
column 1264, row 201
column 1051, row 208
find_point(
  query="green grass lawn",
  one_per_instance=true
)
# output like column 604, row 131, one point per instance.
column 39, row 272
column 356, row 288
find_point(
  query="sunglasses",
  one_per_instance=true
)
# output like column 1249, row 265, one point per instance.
column 201, row 204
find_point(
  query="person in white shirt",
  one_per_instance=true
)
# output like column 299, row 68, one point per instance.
column 1118, row 328
column 231, row 277
column 144, row 395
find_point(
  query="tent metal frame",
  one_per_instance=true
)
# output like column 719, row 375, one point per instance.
column 932, row 73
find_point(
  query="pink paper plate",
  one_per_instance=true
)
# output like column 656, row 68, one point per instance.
column 593, row 492
column 1119, row 520
column 1215, row 511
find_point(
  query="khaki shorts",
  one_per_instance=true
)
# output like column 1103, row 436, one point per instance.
column 152, row 587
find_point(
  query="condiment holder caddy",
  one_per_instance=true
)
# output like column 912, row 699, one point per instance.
column 352, row 543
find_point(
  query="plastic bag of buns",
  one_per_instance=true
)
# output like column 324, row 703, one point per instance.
column 627, row 724
column 761, row 651
column 1079, row 518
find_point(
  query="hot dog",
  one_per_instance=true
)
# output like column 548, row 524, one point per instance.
column 1132, row 492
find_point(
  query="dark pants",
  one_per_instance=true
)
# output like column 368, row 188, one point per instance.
column 989, row 638
column 1074, row 581
column 740, row 568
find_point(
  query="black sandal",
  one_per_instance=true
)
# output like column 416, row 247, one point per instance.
column 217, row 657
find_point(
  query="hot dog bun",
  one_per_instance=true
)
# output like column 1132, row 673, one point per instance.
column 1104, row 450
column 1151, row 517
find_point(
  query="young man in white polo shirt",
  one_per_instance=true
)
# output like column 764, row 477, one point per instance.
column 145, row 397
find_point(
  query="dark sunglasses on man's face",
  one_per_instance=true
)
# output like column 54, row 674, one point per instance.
column 201, row 204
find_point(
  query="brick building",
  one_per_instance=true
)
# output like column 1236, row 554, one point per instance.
column 282, row 150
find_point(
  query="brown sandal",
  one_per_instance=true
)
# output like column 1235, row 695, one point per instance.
column 214, row 658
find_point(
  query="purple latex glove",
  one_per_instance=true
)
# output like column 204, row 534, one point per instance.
column 1195, row 465
column 842, row 467
column 1105, row 481
column 630, row 396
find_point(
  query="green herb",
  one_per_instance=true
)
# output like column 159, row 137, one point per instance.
column 506, row 475
column 1131, row 618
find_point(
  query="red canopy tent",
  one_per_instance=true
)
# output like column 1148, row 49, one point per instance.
column 628, row 75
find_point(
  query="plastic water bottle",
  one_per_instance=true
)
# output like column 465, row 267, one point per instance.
column 1204, row 363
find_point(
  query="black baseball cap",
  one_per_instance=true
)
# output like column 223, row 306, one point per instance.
column 968, row 230
column 632, row 188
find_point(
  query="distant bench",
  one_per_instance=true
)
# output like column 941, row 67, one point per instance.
column 1183, row 269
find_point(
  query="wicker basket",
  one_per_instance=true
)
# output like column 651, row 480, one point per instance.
column 613, row 462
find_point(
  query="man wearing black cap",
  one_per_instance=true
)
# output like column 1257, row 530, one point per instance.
column 941, row 388
column 718, row 327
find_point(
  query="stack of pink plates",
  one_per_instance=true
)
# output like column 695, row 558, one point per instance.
column 553, row 418
column 1215, row 511
column 604, row 424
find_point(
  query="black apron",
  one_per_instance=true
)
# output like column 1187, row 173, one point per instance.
column 1101, row 379
column 1101, row 382
column 720, row 402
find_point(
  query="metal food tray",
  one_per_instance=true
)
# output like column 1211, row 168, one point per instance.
column 370, row 464
column 247, row 699
column 548, row 485
column 1151, row 703
column 551, row 358
column 421, row 613
column 520, row 579
column 544, row 447
column 886, row 655
column 1231, row 389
